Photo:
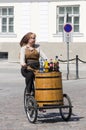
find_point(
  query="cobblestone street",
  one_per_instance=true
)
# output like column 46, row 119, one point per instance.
column 12, row 114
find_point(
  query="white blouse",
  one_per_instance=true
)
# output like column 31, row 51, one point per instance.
column 22, row 54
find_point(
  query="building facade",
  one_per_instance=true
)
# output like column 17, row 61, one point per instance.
column 46, row 18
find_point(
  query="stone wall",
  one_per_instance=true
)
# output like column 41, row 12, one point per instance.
column 50, row 49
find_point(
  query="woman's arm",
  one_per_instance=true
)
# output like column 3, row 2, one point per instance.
column 42, row 54
column 22, row 56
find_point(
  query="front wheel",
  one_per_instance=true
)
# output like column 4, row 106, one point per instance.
column 66, row 110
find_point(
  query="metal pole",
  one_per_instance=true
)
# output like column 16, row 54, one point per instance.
column 67, row 60
column 77, row 74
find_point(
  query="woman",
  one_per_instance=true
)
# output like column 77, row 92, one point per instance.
column 29, row 59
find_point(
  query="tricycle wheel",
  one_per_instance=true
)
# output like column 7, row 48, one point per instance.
column 26, row 96
column 66, row 110
column 31, row 109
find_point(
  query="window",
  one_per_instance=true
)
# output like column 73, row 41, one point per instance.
column 6, row 19
column 73, row 17
column 3, row 55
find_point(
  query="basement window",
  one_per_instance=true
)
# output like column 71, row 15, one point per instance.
column 3, row 55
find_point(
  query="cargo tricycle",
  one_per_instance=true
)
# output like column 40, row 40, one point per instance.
column 48, row 94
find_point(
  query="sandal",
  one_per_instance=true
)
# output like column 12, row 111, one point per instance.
column 42, row 110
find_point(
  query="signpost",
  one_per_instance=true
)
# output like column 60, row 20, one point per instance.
column 67, row 39
column 67, row 33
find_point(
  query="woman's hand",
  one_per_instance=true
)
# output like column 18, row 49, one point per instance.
column 24, row 65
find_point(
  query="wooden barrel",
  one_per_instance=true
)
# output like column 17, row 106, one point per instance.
column 48, row 89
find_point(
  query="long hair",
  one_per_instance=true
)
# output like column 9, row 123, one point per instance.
column 25, row 39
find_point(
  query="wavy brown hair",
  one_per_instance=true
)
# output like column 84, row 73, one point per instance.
column 26, row 38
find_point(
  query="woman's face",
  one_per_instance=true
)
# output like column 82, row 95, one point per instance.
column 32, row 39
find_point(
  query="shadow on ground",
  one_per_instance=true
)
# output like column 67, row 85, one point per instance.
column 55, row 117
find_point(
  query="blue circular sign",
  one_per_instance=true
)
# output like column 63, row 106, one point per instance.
column 68, row 28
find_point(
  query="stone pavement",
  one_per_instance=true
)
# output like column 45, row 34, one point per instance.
column 12, row 115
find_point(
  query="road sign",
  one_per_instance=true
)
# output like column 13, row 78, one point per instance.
column 67, row 37
column 67, row 33
column 68, row 28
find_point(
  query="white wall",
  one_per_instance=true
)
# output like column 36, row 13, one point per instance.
column 28, row 17
column 40, row 17
column 22, row 19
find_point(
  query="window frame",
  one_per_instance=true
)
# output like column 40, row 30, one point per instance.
column 72, row 16
column 8, row 15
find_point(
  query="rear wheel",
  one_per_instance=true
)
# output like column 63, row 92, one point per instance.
column 31, row 109
column 25, row 98
column 66, row 110
column 27, row 95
